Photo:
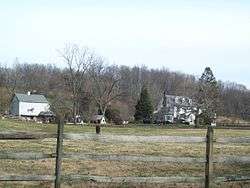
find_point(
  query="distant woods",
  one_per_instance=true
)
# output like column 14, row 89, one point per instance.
column 88, row 85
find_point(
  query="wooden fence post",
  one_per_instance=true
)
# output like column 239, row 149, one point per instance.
column 209, row 157
column 59, row 148
column 98, row 129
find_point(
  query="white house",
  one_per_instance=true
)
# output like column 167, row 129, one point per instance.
column 173, row 109
column 30, row 105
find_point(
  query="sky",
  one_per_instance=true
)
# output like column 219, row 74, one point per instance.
column 181, row 35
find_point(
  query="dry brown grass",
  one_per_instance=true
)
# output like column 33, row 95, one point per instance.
column 76, row 184
column 116, row 168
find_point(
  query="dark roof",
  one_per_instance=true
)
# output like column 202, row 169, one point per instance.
column 32, row 98
column 46, row 114
column 97, row 117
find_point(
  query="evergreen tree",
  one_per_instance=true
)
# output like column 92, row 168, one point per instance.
column 144, row 107
column 207, row 97
column 113, row 116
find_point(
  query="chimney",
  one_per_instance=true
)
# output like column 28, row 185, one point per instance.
column 28, row 93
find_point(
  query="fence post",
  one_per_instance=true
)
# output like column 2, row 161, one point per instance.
column 98, row 129
column 209, row 157
column 59, row 148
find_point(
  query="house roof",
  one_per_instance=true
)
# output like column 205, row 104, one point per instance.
column 97, row 117
column 47, row 114
column 32, row 98
column 181, row 100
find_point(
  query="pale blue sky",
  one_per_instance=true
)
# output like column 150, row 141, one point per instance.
column 182, row 35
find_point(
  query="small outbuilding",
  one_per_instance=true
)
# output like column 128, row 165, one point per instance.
column 98, row 119
column 28, row 105
column 47, row 117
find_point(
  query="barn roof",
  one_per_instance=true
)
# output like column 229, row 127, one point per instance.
column 32, row 98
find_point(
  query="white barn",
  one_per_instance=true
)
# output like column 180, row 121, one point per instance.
column 30, row 105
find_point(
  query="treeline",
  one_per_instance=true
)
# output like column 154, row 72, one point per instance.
column 89, row 85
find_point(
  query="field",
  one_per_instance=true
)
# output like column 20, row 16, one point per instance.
column 120, row 168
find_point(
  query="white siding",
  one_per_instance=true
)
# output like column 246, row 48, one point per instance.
column 103, row 121
column 32, row 109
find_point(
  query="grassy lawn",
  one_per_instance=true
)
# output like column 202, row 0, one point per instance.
column 118, row 168
column 15, row 125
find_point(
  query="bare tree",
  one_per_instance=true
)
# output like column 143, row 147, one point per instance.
column 83, row 93
column 11, row 78
column 78, row 61
column 105, row 86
